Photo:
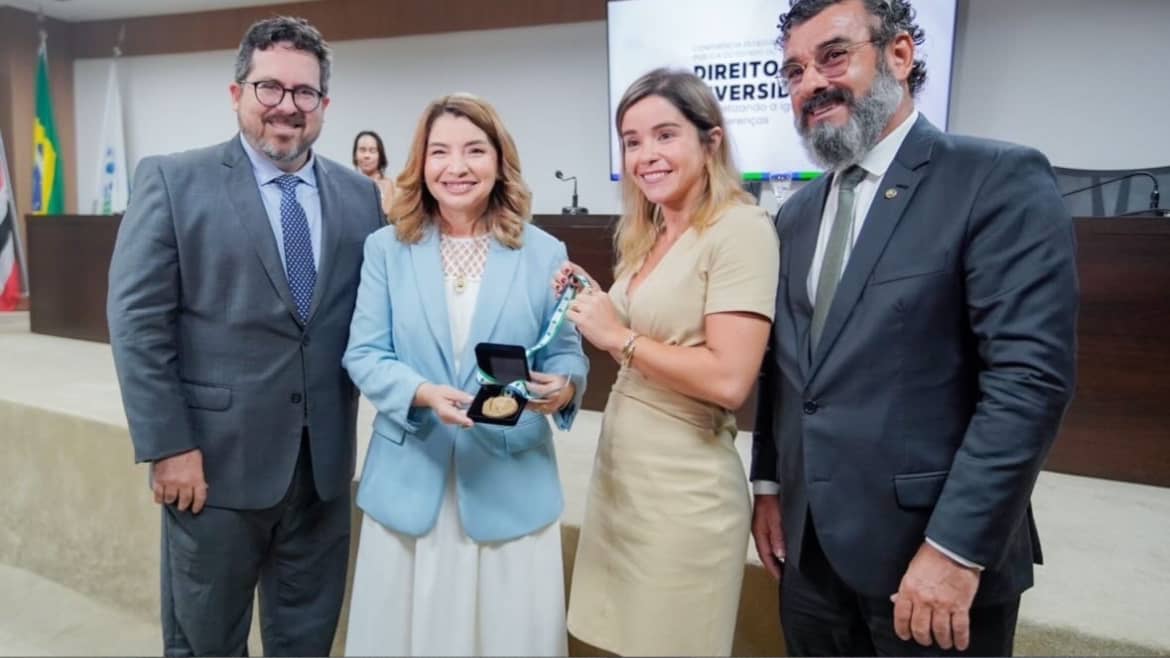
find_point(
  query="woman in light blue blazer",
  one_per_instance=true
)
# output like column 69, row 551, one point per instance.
column 460, row 549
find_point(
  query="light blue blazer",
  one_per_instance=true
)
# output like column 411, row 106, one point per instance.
column 506, row 477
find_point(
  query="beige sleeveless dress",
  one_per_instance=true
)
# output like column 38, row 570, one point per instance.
column 667, row 520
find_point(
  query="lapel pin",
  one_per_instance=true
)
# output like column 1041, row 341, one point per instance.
column 891, row 193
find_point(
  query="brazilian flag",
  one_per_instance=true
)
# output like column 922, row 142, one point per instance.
column 48, row 197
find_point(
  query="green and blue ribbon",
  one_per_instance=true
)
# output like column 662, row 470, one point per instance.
column 519, row 388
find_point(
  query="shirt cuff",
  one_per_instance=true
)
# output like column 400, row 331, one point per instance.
column 951, row 554
column 765, row 487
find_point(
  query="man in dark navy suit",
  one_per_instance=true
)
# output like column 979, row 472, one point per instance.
column 922, row 356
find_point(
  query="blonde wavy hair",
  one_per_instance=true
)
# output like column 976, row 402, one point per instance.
column 641, row 220
column 510, row 203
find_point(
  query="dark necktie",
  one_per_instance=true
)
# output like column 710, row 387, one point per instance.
column 836, row 251
column 298, row 246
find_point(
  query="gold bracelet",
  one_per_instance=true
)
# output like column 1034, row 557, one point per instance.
column 629, row 347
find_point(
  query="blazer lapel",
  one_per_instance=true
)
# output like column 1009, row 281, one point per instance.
column 893, row 195
column 331, row 217
column 428, row 272
column 245, row 197
column 498, row 274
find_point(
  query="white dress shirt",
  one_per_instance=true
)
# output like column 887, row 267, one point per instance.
column 875, row 163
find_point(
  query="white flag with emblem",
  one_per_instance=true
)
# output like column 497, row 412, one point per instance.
column 113, row 185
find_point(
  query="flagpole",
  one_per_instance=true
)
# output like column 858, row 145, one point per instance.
column 42, row 32
column 16, row 221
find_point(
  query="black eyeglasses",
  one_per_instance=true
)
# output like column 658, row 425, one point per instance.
column 270, row 93
column 831, row 61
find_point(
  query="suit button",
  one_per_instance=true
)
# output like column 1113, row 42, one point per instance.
column 810, row 407
column 295, row 398
column 305, row 340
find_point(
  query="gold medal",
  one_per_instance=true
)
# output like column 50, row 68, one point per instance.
column 500, row 406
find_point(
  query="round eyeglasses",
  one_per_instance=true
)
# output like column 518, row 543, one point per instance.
column 831, row 61
column 270, row 93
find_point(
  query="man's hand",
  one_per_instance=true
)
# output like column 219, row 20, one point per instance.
column 179, row 478
column 768, row 533
column 935, row 597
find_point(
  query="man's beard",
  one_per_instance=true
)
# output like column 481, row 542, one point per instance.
column 278, row 154
column 281, row 154
column 833, row 147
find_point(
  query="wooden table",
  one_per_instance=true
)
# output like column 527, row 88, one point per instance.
column 68, row 270
column 1118, row 426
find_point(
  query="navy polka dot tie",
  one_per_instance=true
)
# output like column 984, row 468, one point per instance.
column 298, row 247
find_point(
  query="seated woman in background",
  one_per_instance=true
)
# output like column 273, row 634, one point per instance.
column 460, row 549
column 369, row 157
column 661, row 555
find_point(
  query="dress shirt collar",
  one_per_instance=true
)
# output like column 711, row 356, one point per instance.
column 881, row 156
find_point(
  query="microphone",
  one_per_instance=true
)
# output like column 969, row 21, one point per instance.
column 573, row 209
column 1155, row 194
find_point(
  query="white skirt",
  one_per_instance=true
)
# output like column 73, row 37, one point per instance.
column 445, row 595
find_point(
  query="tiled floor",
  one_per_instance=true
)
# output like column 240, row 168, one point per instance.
column 39, row 617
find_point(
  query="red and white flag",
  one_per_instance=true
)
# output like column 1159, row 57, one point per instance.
column 10, row 280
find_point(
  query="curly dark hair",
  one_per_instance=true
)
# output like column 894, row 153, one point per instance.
column 265, row 34
column 893, row 17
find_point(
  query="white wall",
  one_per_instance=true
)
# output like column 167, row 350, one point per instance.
column 1082, row 80
column 1086, row 82
column 548, row 83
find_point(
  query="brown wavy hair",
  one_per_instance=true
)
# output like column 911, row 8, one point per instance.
column 641, row 220
column 510, row 203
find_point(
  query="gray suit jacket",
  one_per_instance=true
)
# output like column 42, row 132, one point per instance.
column 209, row 350
column 943, row 371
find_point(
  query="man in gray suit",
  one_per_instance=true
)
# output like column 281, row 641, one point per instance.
column 922, row 357
column 231, row 289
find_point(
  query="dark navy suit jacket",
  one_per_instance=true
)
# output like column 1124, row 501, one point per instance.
column 945, row 366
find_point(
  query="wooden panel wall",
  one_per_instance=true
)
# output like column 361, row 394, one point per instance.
column 68, row 267
column 338, row 20
column 1118, row 426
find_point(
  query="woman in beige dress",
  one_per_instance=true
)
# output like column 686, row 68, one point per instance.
column 661, row 555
